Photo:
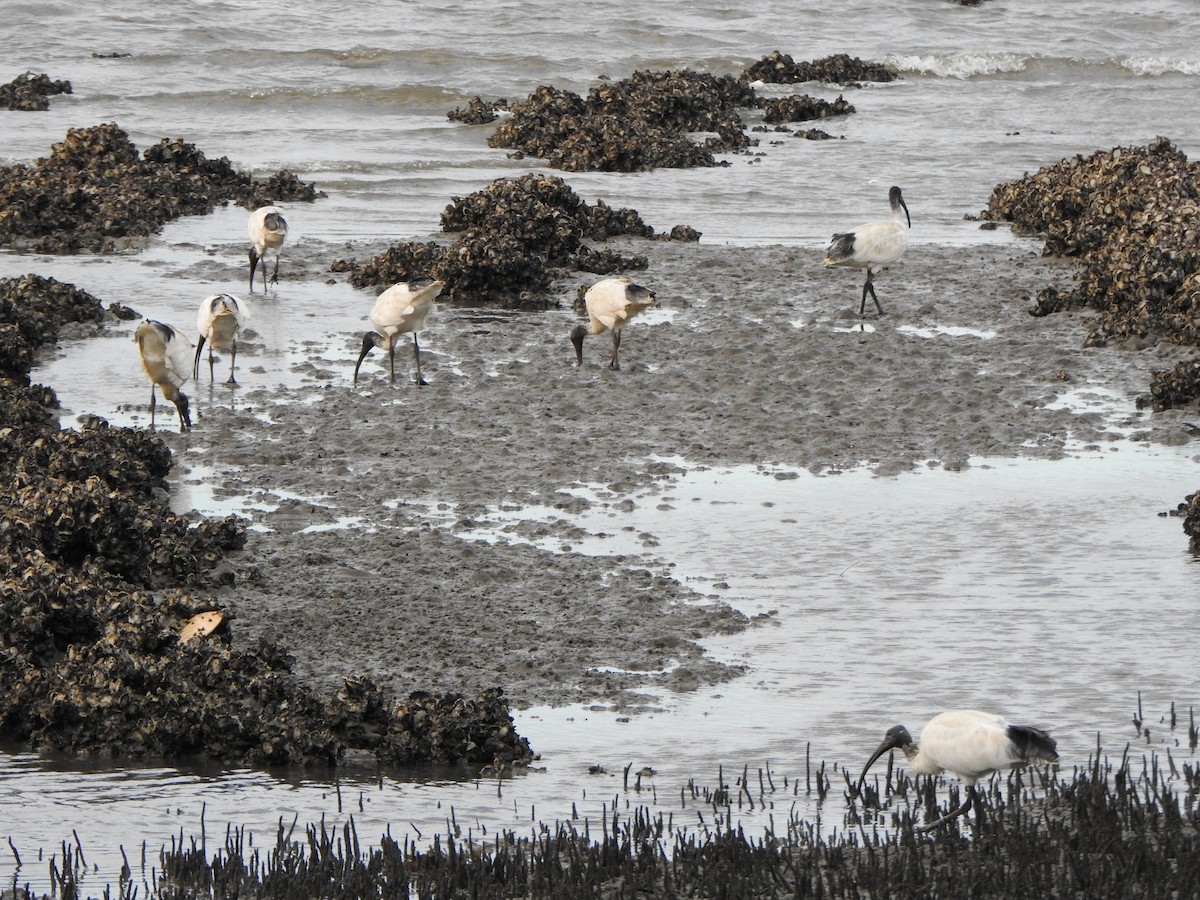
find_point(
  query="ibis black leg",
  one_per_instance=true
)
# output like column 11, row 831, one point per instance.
column 869, row 286
column 421, row 382
column 616, row 341
column 232, row 363
column 253, row 266
column 966, row 806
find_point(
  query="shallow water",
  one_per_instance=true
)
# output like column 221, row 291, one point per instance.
column 1049, row 590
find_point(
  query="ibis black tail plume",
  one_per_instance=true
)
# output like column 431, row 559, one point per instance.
column 1033, row 744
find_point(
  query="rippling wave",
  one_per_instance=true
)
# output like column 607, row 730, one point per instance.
column 974, row 65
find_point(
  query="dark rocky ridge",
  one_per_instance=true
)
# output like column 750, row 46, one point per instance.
column 95, row 193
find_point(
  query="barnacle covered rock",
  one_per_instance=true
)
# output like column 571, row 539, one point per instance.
column 477, row 111
column 803, row 108
column 779, row 68
column 1131, row 217
column 515, row 236
column 31, row 92
column 636, row 124
column 94, row 190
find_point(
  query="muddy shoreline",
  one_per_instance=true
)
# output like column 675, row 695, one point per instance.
column 759, row 358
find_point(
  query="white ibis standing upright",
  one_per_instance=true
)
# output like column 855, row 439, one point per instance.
column 218, row 322
column 969, row 743
column 268, row 229
column 873, row 246
column 166, row 356
column 610, row 303
column 400, row 309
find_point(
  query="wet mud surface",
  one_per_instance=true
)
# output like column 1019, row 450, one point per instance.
column 756, row 357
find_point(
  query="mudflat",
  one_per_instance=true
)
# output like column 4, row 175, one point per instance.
column 756, row 355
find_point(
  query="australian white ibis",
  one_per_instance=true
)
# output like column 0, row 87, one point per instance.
column 400, row 309
column 969, row 743
column 873, row 246
column 610, row 304
column 268, row 229
column 166, row 356
column 218, row 322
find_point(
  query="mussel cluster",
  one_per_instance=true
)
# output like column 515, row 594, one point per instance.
column 31, row 93
column 477, row 111
column 779, row 68
column 94, row 578
column 1131, row 216
column 803, row 108
column 94, row 190
column 515, row 236
column 1189, row 509
column 661, row 119
column 639, row 123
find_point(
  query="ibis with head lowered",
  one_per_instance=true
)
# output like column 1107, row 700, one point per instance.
column 610, row 304
column 166, row 355
column 971, row 744
column 218, row 322
column 401, row 309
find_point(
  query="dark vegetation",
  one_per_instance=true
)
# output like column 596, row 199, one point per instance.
column 1110, row 831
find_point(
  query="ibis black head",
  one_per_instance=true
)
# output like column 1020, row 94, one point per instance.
column 897, row 737
column 896, row 199
column 370, row 339
column 185, row 417
column 577, row 335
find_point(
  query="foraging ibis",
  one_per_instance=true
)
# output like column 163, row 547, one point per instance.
column 268, row 229
column 610, row 304
column 218, row 322
column 400, row 309
column 166, row 356
column 969, row 743
column 873, row 246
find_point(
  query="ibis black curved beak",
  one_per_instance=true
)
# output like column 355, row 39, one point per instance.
column 577, row 334
column 196, row 361
column 367, row 345
column 897, row 736
column 185, row 416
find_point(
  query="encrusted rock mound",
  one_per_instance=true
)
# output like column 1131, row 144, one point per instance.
column 31, row 93
column 516, row 236
column 477, row 111
column 803, row 108
column 636, row 124
column 94, row 191
column 779, row 68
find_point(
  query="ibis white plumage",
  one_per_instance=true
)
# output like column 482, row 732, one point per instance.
column 611, row 304
column 873, row 246
column 219, row 322
column 971, row 744
column 166, row 355
column 401, row 309
column 268, row 230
